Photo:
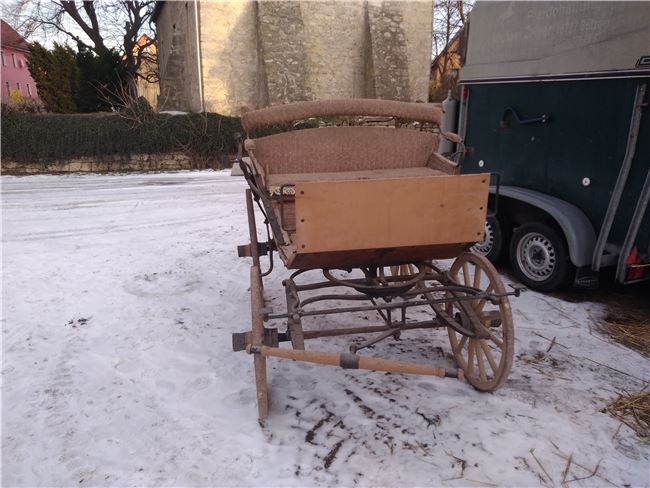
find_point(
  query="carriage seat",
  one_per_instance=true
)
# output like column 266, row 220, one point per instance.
column 344, row 153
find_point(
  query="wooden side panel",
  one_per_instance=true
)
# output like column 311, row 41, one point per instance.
column 375, row 214
column 370, row 257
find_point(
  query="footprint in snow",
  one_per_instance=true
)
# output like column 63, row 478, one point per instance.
column 198, row 384
column 163, row 284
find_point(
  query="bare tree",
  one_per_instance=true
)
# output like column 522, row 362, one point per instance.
column 98, row 25
column 449, row 16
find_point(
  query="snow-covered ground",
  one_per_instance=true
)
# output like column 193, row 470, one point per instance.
column 120, row 294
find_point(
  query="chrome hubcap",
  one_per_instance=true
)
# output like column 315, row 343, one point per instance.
column 536, row 256
column 485, row 246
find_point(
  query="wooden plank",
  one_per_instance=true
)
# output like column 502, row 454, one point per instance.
column 375, row 214
column 369, row 257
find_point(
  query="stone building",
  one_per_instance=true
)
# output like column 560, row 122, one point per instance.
column 222, row 56
column 148, row 86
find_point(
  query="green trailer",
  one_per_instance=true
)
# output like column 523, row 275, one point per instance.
column 554, row 99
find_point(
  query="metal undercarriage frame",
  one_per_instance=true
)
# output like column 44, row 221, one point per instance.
column 388, row 296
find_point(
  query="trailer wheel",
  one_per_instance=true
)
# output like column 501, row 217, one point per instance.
column 539, row 257
column 494, row 241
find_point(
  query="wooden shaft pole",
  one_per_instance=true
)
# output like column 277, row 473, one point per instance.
column 359, row 362
column 378, row 364
column 316, row 357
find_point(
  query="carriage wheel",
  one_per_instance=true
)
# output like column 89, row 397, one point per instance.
column 485, row 362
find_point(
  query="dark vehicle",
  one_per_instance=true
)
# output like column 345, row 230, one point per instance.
column 554, row 98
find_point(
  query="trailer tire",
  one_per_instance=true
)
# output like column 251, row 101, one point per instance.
column 539, row 257
column 495, row 241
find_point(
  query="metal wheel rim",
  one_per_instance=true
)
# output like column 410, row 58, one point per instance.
column 536, row 256
column 485, row 246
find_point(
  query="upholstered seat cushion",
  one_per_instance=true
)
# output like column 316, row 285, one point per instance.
column 334, row 149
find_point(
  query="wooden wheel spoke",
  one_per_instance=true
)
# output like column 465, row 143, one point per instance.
column 466, row 274
column 495, row 339
column 490, row 358
column 460, row 345
column 470, row 356
column 477, row 277
column 481, row 302
column 488, row 317
column 479, row 361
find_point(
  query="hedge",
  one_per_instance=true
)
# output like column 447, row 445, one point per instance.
column 34, row 138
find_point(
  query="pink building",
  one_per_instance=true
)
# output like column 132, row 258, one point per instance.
column 15, row 74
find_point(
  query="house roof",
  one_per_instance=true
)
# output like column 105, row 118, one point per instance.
column 451, row 42
column 11, row 38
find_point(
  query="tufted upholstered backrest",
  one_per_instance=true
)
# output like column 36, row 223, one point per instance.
column 342, row 148
column 331, row 149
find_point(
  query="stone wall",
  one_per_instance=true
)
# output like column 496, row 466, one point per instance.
column 178, row 58
column 229, row 57
column 134, row 162
column 255, row 54
column 336, row 49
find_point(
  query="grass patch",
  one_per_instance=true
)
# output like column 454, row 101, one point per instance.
column 628, row 328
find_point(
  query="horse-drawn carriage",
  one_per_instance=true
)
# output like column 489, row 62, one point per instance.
column 371, row 206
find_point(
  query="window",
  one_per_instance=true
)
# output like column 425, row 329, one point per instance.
column 8, row 88
column 4, row 62
column 29, row 90
column 13, row 59
column 18, row 87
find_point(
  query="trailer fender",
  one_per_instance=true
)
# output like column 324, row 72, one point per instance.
column 577, row 229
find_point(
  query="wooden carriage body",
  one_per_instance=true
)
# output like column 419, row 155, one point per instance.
column 358, row 195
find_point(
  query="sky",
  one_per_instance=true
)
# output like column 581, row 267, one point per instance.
column 15, row 12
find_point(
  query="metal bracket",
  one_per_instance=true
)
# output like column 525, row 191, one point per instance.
column 518, row 288
column 263, row 248
column 349, row 361
column 241, row 340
